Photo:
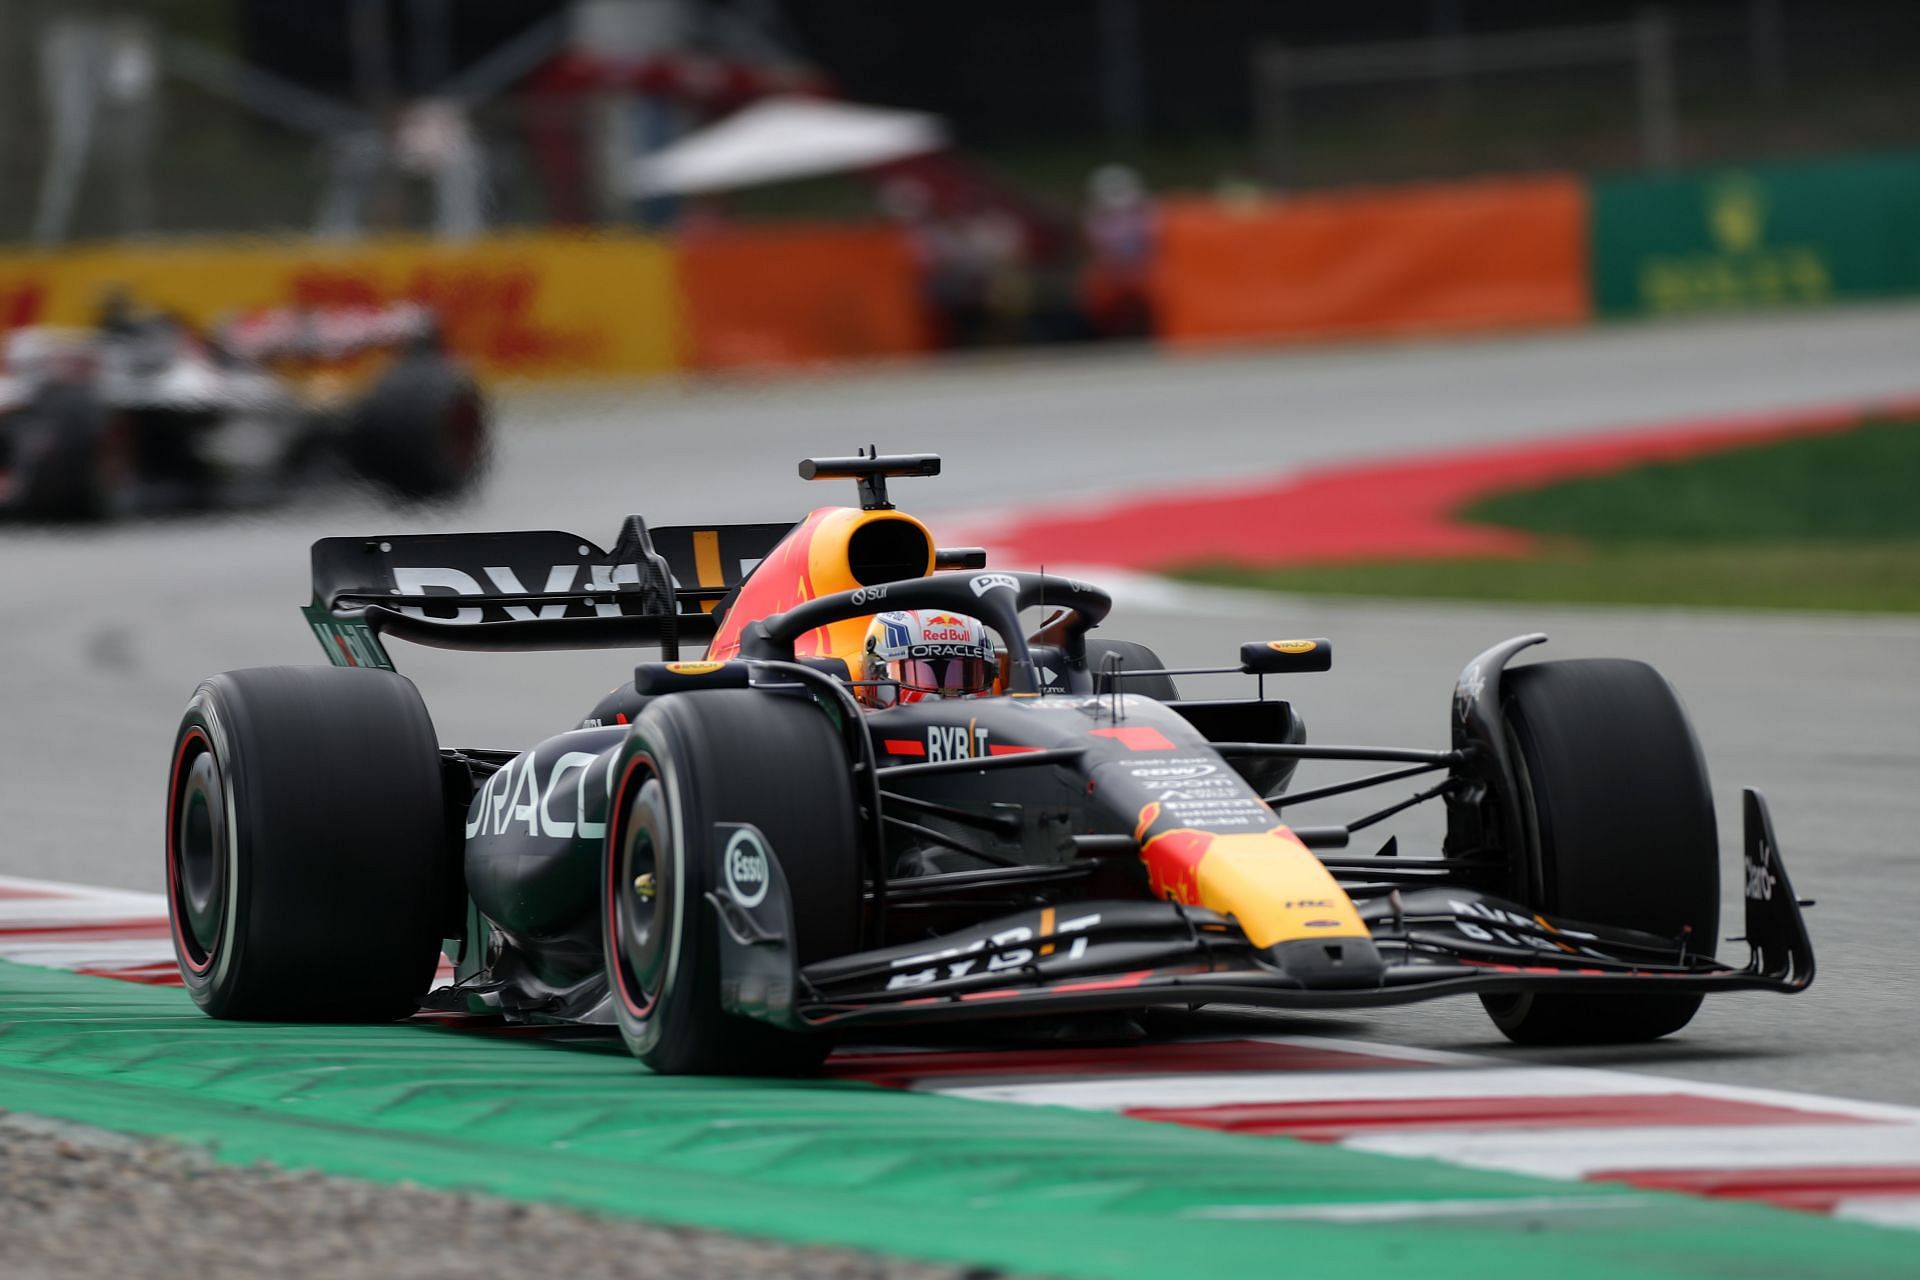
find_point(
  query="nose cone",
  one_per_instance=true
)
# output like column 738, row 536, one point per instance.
column 1328, row 964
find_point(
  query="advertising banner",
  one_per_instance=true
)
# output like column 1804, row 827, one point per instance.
column 1760, row 237
column 795, row 295
column 517, row 306
column 1495, row 254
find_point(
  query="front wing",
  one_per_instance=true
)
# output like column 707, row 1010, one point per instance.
column 1102, row 955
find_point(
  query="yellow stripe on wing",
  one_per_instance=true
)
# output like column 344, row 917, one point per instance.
column 706, row 563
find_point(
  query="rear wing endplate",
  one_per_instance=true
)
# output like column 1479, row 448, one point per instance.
column 533, row 590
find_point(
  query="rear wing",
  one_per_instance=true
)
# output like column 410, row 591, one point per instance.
column 540, row 589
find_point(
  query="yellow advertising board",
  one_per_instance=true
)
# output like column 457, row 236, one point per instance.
column 516, row 306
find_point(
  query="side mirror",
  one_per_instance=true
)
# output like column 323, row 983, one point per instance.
column 1285, row 657
column 960, row 558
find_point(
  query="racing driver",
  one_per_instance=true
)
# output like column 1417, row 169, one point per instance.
column 912, row 655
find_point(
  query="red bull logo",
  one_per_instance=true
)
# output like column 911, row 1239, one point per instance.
column 942, row 627
column 1173, row 863
column 1172, row 857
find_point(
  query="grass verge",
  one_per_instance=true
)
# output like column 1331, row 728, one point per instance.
column 1856, row 487
column 1819, row 522
column 1863, row 579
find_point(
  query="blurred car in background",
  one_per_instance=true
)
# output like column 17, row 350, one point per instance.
column 144, row 414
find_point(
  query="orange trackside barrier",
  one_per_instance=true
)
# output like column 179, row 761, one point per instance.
column 1455, row 257
column 797, row 295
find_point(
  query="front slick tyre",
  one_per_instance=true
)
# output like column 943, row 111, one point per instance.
column 306, row 845
column 1620, row 831
column 693, row 760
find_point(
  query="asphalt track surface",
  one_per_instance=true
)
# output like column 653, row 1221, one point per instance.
column 103, row 634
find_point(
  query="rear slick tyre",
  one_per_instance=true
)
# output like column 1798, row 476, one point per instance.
column 693, row 760
column 421, row 431
column 1620, row 831
column 307, row 846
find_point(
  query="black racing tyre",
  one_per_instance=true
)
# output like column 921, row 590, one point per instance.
column 692, row 760
column 1620, row 831
column 1131, row 657
column 74, row 457
column 307, row 846
column 422, row 430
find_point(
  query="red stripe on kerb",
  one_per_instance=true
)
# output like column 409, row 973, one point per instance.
column 157, row 973
column 1333, row 1120
column 9, row 891
column 904, row 747
column 1818, row 1189
column 1221, row 1056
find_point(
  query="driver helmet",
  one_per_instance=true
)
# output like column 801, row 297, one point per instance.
column 914, row 654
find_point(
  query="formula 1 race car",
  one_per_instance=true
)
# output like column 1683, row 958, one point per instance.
column 737, row 859
column 143, row 414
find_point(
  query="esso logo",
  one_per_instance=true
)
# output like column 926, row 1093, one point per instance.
column 1172, row 771
column 748, row 876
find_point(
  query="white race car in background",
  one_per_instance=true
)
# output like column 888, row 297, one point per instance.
column 145, row 414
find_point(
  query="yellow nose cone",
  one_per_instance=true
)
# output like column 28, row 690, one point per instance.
column 1274, row 886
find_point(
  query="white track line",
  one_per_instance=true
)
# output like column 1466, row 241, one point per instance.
column 1407, row 1210
column 61, row 889
column 1126, row 1093
column 1882, row 1211
column 91, row 954
column 1580, row 1153
column 30, row 926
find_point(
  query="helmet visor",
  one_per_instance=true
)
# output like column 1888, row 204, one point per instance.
column 946, row 676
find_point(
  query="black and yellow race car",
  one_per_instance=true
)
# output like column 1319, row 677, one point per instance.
column 736, row 860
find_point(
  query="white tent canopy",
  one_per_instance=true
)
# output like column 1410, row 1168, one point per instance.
column 782, row 138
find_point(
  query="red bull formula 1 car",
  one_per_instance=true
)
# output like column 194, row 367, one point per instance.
column 735, row 859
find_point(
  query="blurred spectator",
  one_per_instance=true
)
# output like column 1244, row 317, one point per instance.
column 1119, row 225
column 1240, row 193
column 998, row 264
column 974, row 265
